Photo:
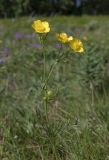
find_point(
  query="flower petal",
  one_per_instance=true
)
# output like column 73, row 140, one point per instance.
column 62, row 37
column 41, row 27
column 77, row 45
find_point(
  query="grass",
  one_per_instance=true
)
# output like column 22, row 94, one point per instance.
column 78, row 127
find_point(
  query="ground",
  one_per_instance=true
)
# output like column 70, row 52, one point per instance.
column 78, row 125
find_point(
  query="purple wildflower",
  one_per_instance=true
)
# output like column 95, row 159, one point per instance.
column 30, row 35
column 1, row 61
column 19, row 35
column 36, row 45
column 58, row 45
column 5, row 51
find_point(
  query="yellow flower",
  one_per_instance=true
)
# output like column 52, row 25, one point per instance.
column 77, row 45
column 62, row 37
column 41, row 27
column 70, row 38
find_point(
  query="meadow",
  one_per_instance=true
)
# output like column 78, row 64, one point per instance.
column 78, row 126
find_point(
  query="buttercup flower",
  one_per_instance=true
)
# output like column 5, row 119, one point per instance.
column 77, row 45
column 63, row 37
column 41, row 26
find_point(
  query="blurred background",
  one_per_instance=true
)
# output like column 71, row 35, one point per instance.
column 10, row 8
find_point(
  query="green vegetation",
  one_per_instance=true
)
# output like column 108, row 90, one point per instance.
column 78, row 127
column 10, row 8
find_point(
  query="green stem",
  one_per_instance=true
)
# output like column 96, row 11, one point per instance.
column 51, row 70
column 44, row 79
column 49, row 74
column 44, row 88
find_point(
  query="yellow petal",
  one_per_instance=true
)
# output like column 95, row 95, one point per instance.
column 77, row 45
column 38, row 27
column 41, row 27
column 46, row 26
column 62, row 37
column 70, row 38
